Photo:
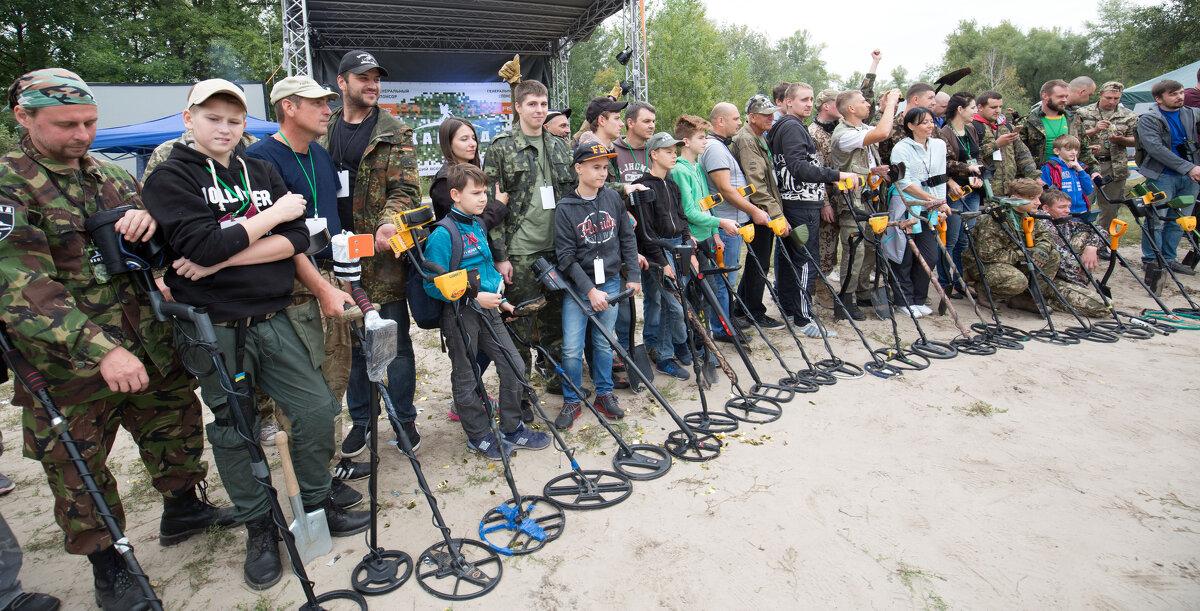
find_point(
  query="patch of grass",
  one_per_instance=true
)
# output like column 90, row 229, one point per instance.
column 980, row 408
column 199, row 568
column 916, row 579
column 264, row 603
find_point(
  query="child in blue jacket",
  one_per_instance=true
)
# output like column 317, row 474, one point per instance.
column 1064, row 172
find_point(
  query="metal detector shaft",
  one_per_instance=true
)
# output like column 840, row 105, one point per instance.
column 37, row 386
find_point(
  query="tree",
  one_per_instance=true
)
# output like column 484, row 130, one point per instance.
column 1137, row 43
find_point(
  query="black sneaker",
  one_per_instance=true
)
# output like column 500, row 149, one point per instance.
column 671, row 368
column 410, row 431
column 849, row 310
column 488, row 447
column 620, row 382
column 618, row 366
column 527, row 439
column 741, row 322
column 344, row 496
column 342, row 523
column 767, row 322
column 349, row 470
column 355, row 441
column 1180, row 268
column 607, row 405
column 566, row 417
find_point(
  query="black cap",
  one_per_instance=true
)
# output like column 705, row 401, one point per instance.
column 587, row 151
column 359, row 62
column 566, row 112
column 601, row 105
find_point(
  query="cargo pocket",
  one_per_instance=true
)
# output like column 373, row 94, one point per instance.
column 306, row 320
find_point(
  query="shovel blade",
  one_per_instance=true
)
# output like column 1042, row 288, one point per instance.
column 1191, row 259
column 880, row 303
column 641, row 360
column 312, row 535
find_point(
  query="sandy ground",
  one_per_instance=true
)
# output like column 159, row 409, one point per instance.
column 1052, row 477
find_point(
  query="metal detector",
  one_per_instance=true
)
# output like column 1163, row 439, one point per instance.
column 1164, row 321
column 37, row 386
column 640, row 461
column 684, row 443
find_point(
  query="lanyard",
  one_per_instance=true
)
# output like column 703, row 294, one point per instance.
column 232, row 193
column 311, row 178
column 966, row 144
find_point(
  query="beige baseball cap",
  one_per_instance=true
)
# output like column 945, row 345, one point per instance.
column 203, row 90
column 302, row 86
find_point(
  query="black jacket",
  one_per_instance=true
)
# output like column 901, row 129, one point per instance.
column 439, row 194
column 664, row 219
column 190, row 206
column 798, row 171
column 585, row 230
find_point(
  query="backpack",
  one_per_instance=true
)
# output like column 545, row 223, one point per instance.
column 427, row 311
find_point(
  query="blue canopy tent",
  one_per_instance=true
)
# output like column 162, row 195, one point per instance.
column 140, row 139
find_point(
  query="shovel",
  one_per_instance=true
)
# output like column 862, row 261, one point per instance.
column 379, row 349
column 311, row 529
column 951, row 78
column 641, row 359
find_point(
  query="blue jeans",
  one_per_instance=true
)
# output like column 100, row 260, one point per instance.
column 956, row 238
column 733, row 253
column 664, row 314
column 1168, row 234
column 574, row 323
column 401, row 373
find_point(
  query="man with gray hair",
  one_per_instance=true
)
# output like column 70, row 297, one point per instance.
column 941, row 99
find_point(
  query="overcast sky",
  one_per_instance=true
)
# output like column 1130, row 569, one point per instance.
column 876, row 28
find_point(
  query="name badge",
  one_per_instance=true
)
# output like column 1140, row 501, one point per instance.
column 343, row 183
column 231, row 222
column 598, row 268
column 996, row 156
column 548, row 202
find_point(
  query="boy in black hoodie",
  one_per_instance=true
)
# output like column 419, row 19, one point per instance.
column 594, row 243
column 236, row 229
column 664, row 220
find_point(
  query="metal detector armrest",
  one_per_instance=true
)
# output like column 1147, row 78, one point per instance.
column 621, row 296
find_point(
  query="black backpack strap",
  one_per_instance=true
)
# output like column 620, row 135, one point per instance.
column 456, row 241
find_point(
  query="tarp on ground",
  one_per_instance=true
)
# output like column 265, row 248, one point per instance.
column 142, row 138
column 1141, row 92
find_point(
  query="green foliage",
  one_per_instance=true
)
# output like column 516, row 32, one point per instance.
column 1015, row 63
column 1137, row 43
column 134, row 41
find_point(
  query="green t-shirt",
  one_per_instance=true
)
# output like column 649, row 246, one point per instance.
column 536, row 232
column 1054, row 128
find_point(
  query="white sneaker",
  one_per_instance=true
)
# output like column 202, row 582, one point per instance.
column 909, row 311
column 925, row 310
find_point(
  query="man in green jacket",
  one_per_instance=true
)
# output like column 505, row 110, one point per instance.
column 377, row 170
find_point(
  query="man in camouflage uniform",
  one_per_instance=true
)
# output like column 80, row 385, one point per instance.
column 534, row 169
column 1032, row 128
column 1108, row 129
column 1071, row 235
column 821, row 130
column 381, row 181
column 109, row 363
column 1005, row 267
column 754, row 156
column 1004, row 154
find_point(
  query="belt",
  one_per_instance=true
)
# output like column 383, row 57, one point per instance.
column 250, row 321
column 325, row 265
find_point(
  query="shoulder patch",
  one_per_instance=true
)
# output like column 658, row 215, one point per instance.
column 6, row 220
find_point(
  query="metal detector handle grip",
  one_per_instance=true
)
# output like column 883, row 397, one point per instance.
column 1027, row 229
column 360, row 298
column 31, row 377
column 613, row 299
column 1116, row 229
column 285, row 456
column 194, row 315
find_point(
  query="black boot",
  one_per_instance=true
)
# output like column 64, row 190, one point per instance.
column 342, row 523
column 116, row 589
column 262, row 568
column 187, row 515
column 33, row 601
column 1154, row 276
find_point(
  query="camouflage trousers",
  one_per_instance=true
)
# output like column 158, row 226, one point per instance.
column 858, row 270
column 1008, row 281
column 546, row 324
column 827, row 259
column 1085, row 301
column 165, row 423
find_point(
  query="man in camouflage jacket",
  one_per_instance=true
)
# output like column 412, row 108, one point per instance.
column 1015, row 160
column 1005, row 267
column 385, row 184
column 1108, row 131
column 94, row 338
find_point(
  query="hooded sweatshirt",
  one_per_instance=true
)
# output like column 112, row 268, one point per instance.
column 195, row 213
column 586, row 230
column 800, row 174
column 631, row 162
column 664, row 219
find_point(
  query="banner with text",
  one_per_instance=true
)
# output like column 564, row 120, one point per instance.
column 423, row 107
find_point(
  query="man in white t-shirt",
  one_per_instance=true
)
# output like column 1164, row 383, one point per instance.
column 855, row 149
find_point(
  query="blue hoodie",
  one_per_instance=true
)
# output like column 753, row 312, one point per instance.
column 1075, row 183
column 476, row 255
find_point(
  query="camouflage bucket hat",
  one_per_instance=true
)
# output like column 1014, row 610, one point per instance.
column 49, row 87
column 760, row 105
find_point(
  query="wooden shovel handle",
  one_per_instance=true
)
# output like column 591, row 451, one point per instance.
column 289, row 474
